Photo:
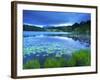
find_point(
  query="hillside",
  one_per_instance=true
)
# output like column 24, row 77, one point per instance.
column 83, row 27
column 32, row 28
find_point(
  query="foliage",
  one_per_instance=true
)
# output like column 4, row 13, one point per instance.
column 51, row 62
column 62, row 62
column 82, row 57
column 32, row 64
column 78, row 58
column 32, row 28
column 71, row 62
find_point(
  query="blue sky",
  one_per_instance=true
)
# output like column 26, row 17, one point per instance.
column 49, row 18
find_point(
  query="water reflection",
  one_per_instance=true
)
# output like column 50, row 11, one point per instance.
column 39, row 45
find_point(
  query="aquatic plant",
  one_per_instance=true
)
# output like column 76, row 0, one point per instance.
column 51, row 63
column 71, row 62
column 82, row 57
column 55, row 62
column 62, row 61
column 32, row 64
column 55, row 54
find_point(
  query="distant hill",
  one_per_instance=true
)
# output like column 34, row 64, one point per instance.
column 83, row 27
column 32, row 28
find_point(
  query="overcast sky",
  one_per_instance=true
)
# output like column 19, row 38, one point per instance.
column 47, row 18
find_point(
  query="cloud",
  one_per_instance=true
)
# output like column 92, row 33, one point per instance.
column 34, row 25
column 63, row 24
column 53, row 18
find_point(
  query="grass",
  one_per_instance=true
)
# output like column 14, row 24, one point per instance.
column 32, row 64
column 82, row 57
column 78, row 58
column 51, row 62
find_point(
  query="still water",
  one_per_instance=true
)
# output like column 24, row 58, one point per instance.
column 43, row 44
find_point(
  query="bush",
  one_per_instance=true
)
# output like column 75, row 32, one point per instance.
column 32, row 64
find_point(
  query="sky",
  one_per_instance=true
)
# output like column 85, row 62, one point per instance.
column 50, row 18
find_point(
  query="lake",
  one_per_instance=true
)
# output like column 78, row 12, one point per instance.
column 40, row 45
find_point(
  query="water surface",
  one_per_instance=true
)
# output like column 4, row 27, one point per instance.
column 42, row 44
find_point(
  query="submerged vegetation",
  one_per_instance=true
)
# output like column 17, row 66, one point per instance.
column 78, row 58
